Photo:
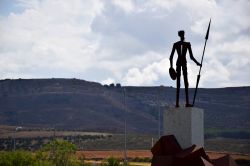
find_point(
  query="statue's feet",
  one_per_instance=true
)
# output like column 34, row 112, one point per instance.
column 189, row 105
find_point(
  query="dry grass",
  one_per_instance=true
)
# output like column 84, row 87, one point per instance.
column 235, row 156
column 147, row 154
column 115, row 153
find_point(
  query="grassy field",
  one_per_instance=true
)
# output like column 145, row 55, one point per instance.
column 235, row 133
column 228, row 145
column 33, row 139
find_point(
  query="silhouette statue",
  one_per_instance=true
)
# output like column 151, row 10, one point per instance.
column 181, row 47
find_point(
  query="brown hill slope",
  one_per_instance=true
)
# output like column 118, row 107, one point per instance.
column 78, row 104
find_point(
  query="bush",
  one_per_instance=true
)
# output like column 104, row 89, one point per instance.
column 55, row 153
column 111, row 161
column 59, row 152
column 17, row 158
column 21, row 158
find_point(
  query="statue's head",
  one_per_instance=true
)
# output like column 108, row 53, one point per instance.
column 181, row 34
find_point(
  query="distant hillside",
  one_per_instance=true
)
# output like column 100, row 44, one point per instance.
column 89, row 106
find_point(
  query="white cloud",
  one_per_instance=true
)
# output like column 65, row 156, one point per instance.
column 147, row 75
column 127, row 5
column 108, row 81
column 49, row 35
column 125, row 41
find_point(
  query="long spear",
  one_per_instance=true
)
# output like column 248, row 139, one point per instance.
column 199, row 75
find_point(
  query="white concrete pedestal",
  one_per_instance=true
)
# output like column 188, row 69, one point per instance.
column 186, row 124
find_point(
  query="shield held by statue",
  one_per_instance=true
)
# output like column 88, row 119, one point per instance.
column 172, row 73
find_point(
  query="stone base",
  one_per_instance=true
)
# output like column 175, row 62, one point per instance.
column 186, row 124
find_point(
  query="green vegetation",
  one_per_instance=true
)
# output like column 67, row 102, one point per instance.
column 111, row 161
column 228, row 145
column 55, row 153
column 59, row 152
column 17, row 158
column 141, row 159
column 35, row 143
column 227, row 133
column 230, row 140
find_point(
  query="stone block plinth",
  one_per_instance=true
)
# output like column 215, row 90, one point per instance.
column 186, row 124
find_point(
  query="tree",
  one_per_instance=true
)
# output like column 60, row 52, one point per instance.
column 17, row 158
column 60, row 152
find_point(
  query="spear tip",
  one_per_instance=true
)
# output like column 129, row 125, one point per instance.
column 208, row 30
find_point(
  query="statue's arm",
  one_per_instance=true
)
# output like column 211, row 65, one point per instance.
column 191, row 54
column 172, row 56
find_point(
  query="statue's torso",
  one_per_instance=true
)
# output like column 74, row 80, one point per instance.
column 181, row 48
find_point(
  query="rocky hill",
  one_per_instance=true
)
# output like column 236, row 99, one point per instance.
column 90, row 106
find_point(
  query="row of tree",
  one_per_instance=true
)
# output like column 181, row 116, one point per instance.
column 37, row 142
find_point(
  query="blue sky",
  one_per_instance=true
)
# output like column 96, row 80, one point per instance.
column 8, row 6
column 127, row 42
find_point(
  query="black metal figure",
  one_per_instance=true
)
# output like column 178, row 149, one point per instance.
column 182, row 47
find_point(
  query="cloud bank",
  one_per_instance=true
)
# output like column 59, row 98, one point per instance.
column 124, row 41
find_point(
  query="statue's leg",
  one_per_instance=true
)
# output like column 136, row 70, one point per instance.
column 178, row 84
column 185, row 76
